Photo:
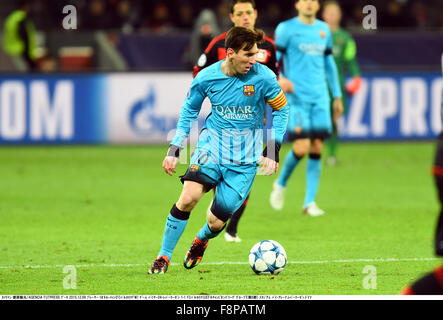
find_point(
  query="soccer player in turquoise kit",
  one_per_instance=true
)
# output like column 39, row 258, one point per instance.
column 243, row 14
column 230, row 144
column 305, row 46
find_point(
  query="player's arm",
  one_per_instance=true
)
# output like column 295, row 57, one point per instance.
column 332, row 75
column 350, row 58
column 272, row 62
column 280, row 113
column 333, row 80
column 208, row 57
column 285, row 84
column 189, row 113
column 334, row 84
column 281, row 43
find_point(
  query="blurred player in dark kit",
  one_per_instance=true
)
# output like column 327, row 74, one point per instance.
column 432, row 283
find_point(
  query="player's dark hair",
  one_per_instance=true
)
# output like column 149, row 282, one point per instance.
column 23, row 4
column 234, row 2
column 330, row 2
column 239, row 38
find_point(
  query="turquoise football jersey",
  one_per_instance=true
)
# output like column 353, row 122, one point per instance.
column 235, row 125
column 306, row 49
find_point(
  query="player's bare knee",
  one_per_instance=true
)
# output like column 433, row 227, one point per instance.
column 316, row 146
column 216, row 225
column 219, row 214
column 300, row 153
column 190, row 196
column 187, row 201
column 316, row 150
column 301, row 147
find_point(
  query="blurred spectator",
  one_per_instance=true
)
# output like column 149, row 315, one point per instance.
column 45, row 12
column 223, row 10
column 160, row 20
column 127, row 17
column 205, row 28
column 440, row 20
column 419, row 14
column 355, row 19
column 20, row 36
column 173, row 15
column 396, row 15
column 47, row 63
column 97, row 16
column 185, row 17
column 270, row 17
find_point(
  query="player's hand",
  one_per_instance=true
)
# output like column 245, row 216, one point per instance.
column 169, row 164
column 286, row 85
column 337, row 106
column 268, row 167
column 354, row 85
column 269, row 158
column 171, row 160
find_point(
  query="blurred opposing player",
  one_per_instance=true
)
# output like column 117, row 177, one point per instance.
column 432, row 283
column 229, row 146
column 243, row 14
column 305, row 44
column 344, row 50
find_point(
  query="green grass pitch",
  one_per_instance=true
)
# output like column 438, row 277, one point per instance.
column 102, row 209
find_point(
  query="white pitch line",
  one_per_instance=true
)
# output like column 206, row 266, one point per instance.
column 130, row 265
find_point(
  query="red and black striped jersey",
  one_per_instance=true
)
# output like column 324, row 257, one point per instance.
column 216, row 51
column 438, row 176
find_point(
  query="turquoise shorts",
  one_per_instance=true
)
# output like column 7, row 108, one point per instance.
column 309, row 120
column 232, row 183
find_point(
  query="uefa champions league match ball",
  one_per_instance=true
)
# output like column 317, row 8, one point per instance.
column 267, row 257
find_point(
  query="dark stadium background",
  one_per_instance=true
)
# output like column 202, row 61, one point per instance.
column 407, row 36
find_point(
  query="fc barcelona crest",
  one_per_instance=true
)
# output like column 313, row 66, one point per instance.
column 248, row 91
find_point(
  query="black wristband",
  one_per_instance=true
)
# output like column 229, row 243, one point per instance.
column 273, row 151
column 173, row 151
